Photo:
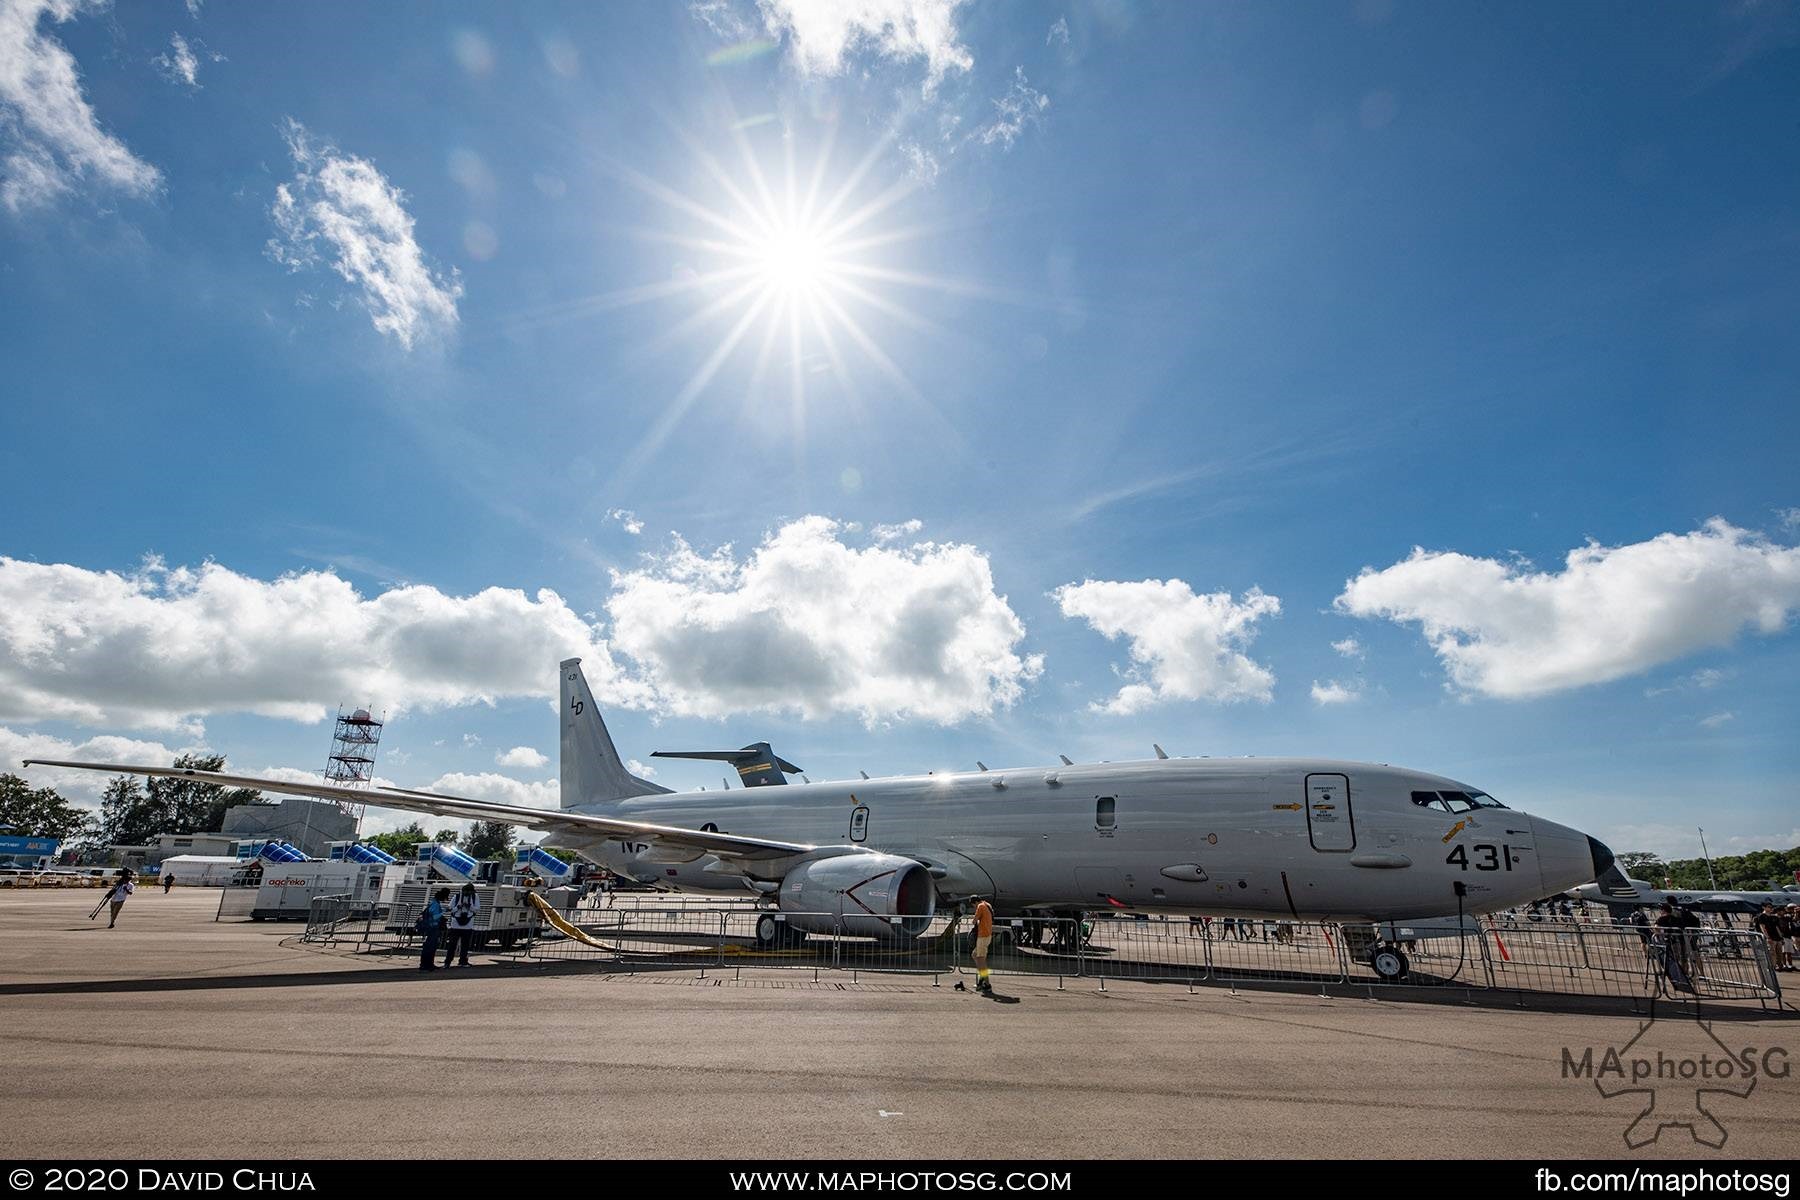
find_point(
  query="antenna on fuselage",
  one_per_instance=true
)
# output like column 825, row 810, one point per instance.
column 864, row 774
column 1067, row 762
column 726, row 780
column 1160, row 752
column 981, row 764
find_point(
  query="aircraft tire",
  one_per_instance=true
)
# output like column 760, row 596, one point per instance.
column 1389, row 963
column 770, row 933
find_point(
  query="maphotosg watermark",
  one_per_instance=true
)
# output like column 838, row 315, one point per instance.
column 1663, row 1182
column 1678, row 1072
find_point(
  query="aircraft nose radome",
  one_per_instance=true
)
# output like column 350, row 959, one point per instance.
column 1603, row 858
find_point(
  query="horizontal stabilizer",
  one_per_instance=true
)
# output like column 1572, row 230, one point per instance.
column 757, row 764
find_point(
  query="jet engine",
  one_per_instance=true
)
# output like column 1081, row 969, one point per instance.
column 867, row 890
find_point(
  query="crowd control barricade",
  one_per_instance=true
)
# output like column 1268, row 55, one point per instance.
column 236, row 903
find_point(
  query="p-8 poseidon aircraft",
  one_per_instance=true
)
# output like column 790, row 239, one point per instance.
column 1296, row 838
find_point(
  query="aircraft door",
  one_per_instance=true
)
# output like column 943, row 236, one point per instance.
column 1329, row 820
column 859, row 823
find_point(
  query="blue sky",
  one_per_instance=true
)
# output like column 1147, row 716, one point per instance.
column 1163, row 322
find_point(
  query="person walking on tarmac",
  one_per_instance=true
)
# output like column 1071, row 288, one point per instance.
column 431, row 924
column 116, row 896
column 984, row 932
column 462, row 924
column 168, row 882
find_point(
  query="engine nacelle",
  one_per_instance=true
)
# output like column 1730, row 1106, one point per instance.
column 865, row 891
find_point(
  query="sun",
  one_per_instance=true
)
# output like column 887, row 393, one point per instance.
column 796, row 261
column 789, row 273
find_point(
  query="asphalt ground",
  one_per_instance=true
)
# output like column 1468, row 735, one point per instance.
column 174, row 1036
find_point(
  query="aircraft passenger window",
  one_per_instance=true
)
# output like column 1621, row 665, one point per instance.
column 1429, row 800
column 1105, row 812
column 1457, row 801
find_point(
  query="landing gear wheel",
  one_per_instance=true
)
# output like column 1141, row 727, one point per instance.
column 1389, row 963
column 770, row 932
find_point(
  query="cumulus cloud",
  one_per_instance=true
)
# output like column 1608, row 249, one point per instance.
column 50, row 138
column 1349, row 648
column 627, row 520
column 822, row 34
column 159, row 647
column 641, row 770
column 1789, row 518
column 498, row 789
column 1022, row 105
column 1613, row 611
column 1333, row 692
column 1183, row 646
column 340, row 210
column 80, row 787
column 807, row 624
column 521, row 756
column 179, row 63
column 1059, row 33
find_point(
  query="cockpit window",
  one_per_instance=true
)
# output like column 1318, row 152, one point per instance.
column 1429, row 800
column 1464, row 801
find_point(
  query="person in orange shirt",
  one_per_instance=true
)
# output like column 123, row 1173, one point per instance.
column 984, row 930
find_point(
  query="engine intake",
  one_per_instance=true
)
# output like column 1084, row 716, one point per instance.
column 863, row 891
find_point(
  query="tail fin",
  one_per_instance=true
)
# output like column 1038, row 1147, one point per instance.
column 591, row 767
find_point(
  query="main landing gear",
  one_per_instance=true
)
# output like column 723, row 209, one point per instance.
column 772, row 933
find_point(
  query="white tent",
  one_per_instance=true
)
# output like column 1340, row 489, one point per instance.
column 202, row 870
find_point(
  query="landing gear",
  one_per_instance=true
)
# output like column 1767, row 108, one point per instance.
column 772, row 933
column 1389, row 963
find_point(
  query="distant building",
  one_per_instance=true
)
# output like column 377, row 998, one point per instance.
column 167, row 845
column 307, row 824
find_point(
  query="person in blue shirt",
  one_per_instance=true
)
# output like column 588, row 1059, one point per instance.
column 434, row 925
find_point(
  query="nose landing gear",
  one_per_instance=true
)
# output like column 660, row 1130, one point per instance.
column 1388, row 962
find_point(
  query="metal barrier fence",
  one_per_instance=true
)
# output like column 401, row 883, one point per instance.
column 1551, row 957
column 337, row 919
column 235, row 903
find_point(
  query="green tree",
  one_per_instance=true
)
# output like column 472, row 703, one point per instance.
column 1642, row 864
column 38, row 812
column 490, row 839
column 133, row 813
column 446, row 837
column 400, row 842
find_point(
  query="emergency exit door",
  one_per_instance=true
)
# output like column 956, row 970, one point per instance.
column 1328, row 818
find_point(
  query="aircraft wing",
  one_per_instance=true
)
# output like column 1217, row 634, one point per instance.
column 551, row 820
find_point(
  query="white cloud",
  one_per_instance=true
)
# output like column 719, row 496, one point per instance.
column 1022, row 105
column 627, row 519
column 807, row 624
column 894, row 533
column 179, row 64
column 158, row 647
column 1183, row 646
column 340, row 209
column 498, row 789
column 471, row 739
column 1059, row 33
column 50, row 136
column 723, row 18
column 1333, row 692
column 1504, row 631
column 822, row 34
column 641, row 770
column 521, row 756
column 1717, row 720
column 1349, row 648
column 79, row 787
column 921, row 164
column 193, row 7
column 1789, row 517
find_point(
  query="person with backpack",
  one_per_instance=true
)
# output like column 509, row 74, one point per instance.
column 462, row 924
column 431, row 924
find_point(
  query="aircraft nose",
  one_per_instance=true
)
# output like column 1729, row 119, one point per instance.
column 1567, row 857
column 1603, row 858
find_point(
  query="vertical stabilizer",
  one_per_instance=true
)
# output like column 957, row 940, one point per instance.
column 591, row 767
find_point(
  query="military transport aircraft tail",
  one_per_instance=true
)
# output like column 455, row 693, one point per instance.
column 591, row 768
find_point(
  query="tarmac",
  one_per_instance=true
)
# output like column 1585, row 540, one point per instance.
column 175, row 1036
